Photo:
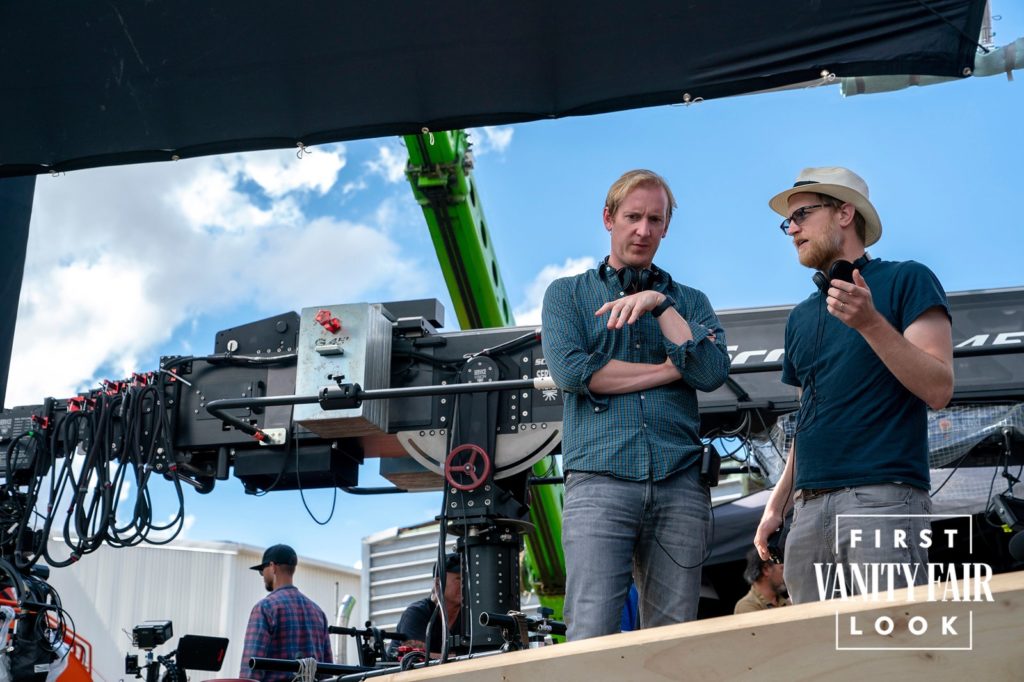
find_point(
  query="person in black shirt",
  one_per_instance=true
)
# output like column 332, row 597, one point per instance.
column 426, row 612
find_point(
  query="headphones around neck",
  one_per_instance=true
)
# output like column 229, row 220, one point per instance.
column 638, row 279
column 842, row 270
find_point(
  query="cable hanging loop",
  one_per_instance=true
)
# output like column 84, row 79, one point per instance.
column 826, row 77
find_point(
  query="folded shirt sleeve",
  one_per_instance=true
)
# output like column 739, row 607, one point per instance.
column 703, row 363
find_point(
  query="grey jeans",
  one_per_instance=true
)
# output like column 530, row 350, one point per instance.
column 859, row 525
column 612, row 529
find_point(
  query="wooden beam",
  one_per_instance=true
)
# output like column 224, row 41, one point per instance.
column 792, row 643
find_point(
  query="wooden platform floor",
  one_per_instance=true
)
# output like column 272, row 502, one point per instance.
column 984, row 642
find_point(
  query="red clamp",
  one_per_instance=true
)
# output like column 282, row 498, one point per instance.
column 112, row 388
column 42, row 422
column 328, row 321
column 410, row 657
column 79, row 404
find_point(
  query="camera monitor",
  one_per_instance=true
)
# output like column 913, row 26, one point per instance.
column 198, row 652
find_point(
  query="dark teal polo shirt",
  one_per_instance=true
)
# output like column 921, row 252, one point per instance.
column 857, row 424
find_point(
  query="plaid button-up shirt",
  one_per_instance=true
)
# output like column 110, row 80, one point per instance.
column 285, row 624
column 635, row 436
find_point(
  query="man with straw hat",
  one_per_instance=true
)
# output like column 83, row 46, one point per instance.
column 871, row 349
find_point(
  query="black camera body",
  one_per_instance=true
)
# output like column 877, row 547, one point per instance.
column 151, row 634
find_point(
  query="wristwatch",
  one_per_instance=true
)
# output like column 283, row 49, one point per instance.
column 657, row 310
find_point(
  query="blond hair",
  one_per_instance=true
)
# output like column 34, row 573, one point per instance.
column 629, row 181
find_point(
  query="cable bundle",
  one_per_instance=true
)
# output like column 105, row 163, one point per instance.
column 84, row 459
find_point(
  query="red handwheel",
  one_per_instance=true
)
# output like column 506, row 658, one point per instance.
column 467, row 466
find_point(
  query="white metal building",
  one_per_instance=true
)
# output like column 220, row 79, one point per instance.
column 204, row 588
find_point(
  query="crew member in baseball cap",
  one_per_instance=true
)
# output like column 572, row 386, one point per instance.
column 871, row 350
column 283, row 555
column 286, row 623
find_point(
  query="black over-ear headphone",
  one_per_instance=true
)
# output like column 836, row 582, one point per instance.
column 638, row 279
column 842, row 270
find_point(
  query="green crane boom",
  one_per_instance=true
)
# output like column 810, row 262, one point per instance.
column 440, row 172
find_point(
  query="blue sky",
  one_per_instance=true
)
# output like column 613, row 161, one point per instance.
column 127, row 264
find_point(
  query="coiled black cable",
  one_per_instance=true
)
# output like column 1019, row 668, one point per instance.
column 102, row 447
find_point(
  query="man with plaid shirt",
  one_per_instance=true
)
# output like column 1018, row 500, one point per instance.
column 286, row 623
column 630, row 348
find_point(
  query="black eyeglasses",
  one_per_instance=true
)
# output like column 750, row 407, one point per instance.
column 798, row 217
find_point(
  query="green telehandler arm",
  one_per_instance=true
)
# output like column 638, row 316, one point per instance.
column 440, row 171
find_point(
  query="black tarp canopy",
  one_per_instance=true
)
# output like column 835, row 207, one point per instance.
column 94, row 83
column 90, row 83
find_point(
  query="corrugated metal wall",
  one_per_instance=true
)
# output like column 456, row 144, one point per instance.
column 397, row 569
column 203, row 588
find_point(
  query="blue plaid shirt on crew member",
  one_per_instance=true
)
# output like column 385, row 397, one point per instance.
column 285, row 624
column 634, row 436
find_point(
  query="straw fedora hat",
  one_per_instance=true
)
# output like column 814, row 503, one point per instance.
column 840, row 183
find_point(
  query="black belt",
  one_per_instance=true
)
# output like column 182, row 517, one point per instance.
column 808, row 494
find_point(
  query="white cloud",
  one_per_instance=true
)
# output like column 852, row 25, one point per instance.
column 356, row 258
column 213, row 199
column 353, row 186
column 490, row 139
column 126, row 486
column 70, row 320
column 216, row 196
column 120, row 258
column 390, row 162
column 528, row 313
column 281, row 171
column 400, row 213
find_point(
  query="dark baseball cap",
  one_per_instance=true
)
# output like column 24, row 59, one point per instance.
column 451, row 563
column 277, row 554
